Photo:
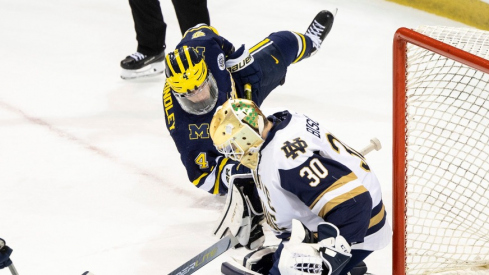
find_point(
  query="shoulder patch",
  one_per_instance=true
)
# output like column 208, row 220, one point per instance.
column 198, row 34
column 221, row 61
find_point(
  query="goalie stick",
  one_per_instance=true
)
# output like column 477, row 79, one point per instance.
column 374, row 144
column 230, row 241
column 206, row 256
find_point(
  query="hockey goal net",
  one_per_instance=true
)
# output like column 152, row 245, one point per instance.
column 441, row 151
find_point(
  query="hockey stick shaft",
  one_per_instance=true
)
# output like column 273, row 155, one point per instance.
column 373, row 145
column 206, row 256
column 12, row 269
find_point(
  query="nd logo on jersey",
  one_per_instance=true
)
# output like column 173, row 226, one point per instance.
column 291, row 149
column 198, row 131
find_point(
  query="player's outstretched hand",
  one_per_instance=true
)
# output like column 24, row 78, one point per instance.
column 5, row 252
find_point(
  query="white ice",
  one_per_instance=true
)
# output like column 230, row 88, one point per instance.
column 89, row 176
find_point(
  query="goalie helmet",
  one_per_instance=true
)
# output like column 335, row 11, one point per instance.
column 190, row 81
column 236, row 130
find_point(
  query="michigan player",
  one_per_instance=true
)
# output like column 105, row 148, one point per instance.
column 205, row 70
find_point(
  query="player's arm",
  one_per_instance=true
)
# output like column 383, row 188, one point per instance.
column 215, row 173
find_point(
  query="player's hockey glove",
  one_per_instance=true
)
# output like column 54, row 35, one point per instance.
column 328, row 257
column 244, row 70
column 5, row 252
column 241, row 217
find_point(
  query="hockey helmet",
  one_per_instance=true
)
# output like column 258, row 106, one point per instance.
column 236, row 130
column 190, row 80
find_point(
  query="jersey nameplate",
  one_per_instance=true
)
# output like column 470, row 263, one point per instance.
column 312, row 127
column 168, row 105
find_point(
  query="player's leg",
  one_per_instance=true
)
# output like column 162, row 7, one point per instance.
column 296, row 46
column 150, row 34
column 319, row 28
column 149, row 25
column 190, row 13
column 275, row 53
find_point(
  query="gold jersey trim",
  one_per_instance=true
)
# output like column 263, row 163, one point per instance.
column 340, row 182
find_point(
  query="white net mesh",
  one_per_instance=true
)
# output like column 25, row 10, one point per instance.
column 447, row 188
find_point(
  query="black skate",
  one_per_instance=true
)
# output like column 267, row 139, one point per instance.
column 319, row 28
column 139, row 65
column 359, row 269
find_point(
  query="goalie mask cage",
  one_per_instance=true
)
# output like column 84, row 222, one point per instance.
column 441, row 151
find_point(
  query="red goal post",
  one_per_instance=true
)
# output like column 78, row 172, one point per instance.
column 404, row 153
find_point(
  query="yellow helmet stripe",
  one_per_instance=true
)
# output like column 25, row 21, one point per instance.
column 187, row 55
column 168, row 62
column 179, row 61
column 204, row 70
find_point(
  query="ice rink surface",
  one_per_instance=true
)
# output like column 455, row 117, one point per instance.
column 90, row 178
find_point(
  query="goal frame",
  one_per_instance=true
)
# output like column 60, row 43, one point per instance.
column 402, row 37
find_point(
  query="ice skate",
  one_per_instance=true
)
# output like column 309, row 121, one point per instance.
column 139, row 65
column 319, row 28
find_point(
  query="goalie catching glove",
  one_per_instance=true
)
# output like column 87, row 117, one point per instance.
column 242, row 216
column 328, row 256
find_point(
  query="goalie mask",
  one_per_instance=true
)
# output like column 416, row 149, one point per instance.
column 236, row 130
column 190, row 81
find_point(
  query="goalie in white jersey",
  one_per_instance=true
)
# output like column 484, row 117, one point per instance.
column 304, row 173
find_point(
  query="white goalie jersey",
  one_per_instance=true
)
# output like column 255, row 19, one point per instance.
column 306, row 173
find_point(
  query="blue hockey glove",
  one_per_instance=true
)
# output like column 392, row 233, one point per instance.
column 244, row 70
column 5, row 252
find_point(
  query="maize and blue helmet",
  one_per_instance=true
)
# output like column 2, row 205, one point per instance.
column 187, row 75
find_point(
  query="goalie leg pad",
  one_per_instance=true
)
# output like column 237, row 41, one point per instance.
column 239, row 218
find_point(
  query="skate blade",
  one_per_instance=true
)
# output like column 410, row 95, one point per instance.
column 149, row 70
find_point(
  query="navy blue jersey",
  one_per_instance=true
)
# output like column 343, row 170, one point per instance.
column 206, row 168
